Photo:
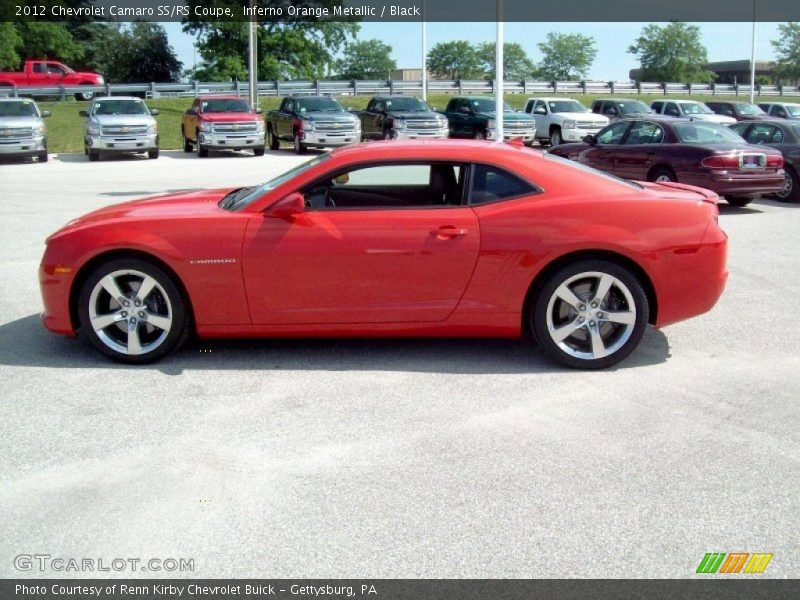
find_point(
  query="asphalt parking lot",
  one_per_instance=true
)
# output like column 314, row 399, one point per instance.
column 383, row 458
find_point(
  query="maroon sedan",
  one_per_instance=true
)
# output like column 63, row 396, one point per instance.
column 695, row 152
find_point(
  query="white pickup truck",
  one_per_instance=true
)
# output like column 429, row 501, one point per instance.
column 689, row 109
column 563, row 120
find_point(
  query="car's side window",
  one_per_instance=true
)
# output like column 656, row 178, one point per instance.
column 529, row 106
column 777, row 110
column 657, row 106
column 407, row 185
column 490, row 184
column 613, row 133
column 765, row 134
column 725, row 109
column 597, row 106
column 609, row 109
column 671, row 109
column 645, row 132
column 740, row 128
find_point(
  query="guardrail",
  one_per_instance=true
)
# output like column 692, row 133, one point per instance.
column 411, row 87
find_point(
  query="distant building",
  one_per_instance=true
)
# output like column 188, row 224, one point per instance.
column 729, row 71
column 407, row 74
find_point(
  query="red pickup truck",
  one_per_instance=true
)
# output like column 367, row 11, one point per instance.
column 45, row 73
column 222, row 123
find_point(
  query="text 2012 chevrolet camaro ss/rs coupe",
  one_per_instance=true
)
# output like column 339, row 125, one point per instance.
column 447, row 238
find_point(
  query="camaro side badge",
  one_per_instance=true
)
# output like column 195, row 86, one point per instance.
column 211, row 261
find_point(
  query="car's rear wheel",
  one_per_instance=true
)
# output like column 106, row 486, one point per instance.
column 187, row 146
column 132, row 311
column 590, row 314
column 790, row 192
column 662, row 175
column 738, row 201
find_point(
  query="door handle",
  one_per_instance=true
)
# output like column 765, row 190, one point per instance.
column 448, row 231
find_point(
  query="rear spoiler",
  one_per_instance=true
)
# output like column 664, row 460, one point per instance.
column 707, row 195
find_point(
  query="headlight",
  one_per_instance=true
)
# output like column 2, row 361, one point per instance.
column 357, row 124
column 308, row 124
column 38, row 130
column 152, row 128
column 569, row 125
column 94, row 129
column 101, row 81
column 398, row 124
column 206, row 127
column 260, row 126
column 491, row 124
column 442, row 122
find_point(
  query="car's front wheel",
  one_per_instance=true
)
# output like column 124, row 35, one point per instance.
column 132, row 311
column 590, row 314
column 738, row 201
column 555, row 137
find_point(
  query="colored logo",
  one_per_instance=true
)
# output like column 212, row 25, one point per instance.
column 734, row 562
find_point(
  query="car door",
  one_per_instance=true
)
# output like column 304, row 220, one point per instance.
column 190, row 120
column 639, row 150
column 399, row 246
column 287, row 116
column 602, row 154
column 540, row 112
column 455, row 117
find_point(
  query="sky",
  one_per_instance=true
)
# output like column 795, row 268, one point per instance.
column 724, row 41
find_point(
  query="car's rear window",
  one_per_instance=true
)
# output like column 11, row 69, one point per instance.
column 705, row 133
column 595, row 172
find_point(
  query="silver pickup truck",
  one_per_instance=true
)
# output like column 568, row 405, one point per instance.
column 22, row 131
column 119, row 125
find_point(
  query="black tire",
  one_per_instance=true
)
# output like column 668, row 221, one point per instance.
column 43, row 156
column 555, row 137
column 791, row 190
column 479, row 134
column 388, row 135
column 274, row 142
column 86, row 96
column 152, row 154
column 258, row 151
column 94, row 156
column 187, row 145
column 738, row 201
column 201, row 151
column 627, row 337
column 85, row 149
column 179, row 329
column 663, row 173
column 299, row 146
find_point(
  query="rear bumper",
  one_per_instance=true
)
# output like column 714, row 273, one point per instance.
column 738, row 184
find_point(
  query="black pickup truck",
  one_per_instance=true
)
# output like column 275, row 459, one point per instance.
column 401, row 118
column 311, row 121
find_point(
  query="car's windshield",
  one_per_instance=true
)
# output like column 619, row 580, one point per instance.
column 633, row 107
column 485, row 105
column 245, row 196
column 406, row 104
column 224, row 105
column 120, row 107
column 319, row 105
column 706, row 133
column 566, row 106
column 587, row 169
column 793, row 109
column 695, row 108
column 749, row 109
column 23, row 108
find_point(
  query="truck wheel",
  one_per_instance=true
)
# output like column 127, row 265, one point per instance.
column 299, row 146
column 152, row 154
column 93, row 156
column 389, row 135
column 201, row 152
column 258, row 151
column 738, row 201
column 555, row 136
column 274, row 142
column 187, row 146
column 479, row 134
column 43, row 156
column 86, row 96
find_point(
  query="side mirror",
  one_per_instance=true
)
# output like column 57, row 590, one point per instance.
column 83, row 113
column 190, row 111
column 540, row 111
column 612, row 112
column 590, row 139
column 154, row 111
column 287, row 207
column 46, row 113
column 258, row 111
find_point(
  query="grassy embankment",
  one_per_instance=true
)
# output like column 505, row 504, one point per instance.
column 65, row 127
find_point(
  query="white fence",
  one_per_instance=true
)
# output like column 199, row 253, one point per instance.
column 412, row 87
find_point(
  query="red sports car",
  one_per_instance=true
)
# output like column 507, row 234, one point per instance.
column 448, row 238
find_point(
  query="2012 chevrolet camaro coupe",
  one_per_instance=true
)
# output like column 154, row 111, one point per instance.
column 447, row 238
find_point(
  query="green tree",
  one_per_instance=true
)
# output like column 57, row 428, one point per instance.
column 673, row 52
column 787, row 52
column 516, row 64
column 454, row 60
column 367, row 59
column 566, row 56
column 9, row 42
column 41, row 39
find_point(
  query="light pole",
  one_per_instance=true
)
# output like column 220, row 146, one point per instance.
column 424, row 56
column 498, row 73
column 253, row 56
column 753, row 59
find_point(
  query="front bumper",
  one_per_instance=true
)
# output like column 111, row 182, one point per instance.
column 577, row 135
column 122, row 144
column 231, row 141
column 24, row 147
column 54, row 283
column 422, row 134
column 529, row 135
column 327, row 139
column 727, row 183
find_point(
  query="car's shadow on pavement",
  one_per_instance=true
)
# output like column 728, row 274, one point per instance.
column 25, row 343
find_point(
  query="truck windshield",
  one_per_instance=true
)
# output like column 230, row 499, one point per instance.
column 695, row 108
column 224, row 105
column 243, row 197
column 749, row 109
column 566, row 106
column 793, row 109
column 23, row 108
column 319, row 105
column 483, row 105
column 407, row 104
column 633, row 107
column 706, row 133
column 120, row 107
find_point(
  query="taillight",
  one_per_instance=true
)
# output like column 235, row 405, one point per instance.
column 721, row 161
column 775, row 161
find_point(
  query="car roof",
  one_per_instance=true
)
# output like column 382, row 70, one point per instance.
column 771, row 120
column 399, row 147
column 619, row 100
column 548, row 98
column 106, row 98
column 221, row 97
column 16, row 100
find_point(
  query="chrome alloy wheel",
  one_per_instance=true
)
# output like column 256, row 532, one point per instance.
column 130, row 312
column 788, row 186
column 591, row 315
column 663, row 178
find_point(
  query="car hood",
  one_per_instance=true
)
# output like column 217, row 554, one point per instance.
column 123, row 119
column 20, row 121
column 508, row 117
column 582, row 117
column 334, row 117
column 230, row 117
column 154, row 207
column 411, row 114
column 714, row 118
